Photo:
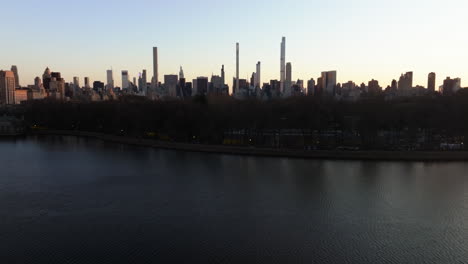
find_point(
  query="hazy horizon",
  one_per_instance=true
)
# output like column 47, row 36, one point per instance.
column 361, row 40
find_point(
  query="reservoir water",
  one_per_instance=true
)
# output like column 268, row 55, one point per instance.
column 78, row 200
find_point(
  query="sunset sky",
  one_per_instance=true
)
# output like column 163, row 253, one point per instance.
column 361, row 39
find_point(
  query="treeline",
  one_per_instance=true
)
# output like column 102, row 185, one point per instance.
column 217, row 120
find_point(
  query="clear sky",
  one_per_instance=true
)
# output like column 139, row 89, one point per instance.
column 361, row 39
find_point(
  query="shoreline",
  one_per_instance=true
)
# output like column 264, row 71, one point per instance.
column 410, row 156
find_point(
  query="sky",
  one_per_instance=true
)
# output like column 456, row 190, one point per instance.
column 361, row 39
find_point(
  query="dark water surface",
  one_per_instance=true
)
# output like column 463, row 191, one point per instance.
column 75, row 200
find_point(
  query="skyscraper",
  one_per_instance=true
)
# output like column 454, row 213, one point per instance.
column 87, row 83
column 236, row 90
column 170, row 84
column 328, row 84
column 181, row 73
column 46, row 78
column 14, row 69
column 76, row 84
column 283, row 64
column 311, row 87
column 405, row 84
column 288, row 82
column 202, row 85
column 125, row 82
column 155, row 67
column 7, row 87
column 110, row 80
column 431, row 82
column 258, row 82
column 223, row 75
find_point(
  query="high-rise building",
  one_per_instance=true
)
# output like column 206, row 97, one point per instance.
column 374, row 87
column 46, row 78
column 37, row 82
column 181, row 73
column 76, row 82
column 236, row 89
column 431, row 82
column 405, row 84
column 283, row 64
column 170, row 84
column 87, row 83
column 258, row 81
column 110, row 79
column 253, row 79
column 451, row 86
column 7, row 87
column 201, row 85
column 142, row 83
column 125, row 80
column 288, row 82
column 311, row 87
column 223, row 75
column 14, row 69
column 155, row 67
column 328, row 82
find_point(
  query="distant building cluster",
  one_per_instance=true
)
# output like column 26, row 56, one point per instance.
column 52, row 85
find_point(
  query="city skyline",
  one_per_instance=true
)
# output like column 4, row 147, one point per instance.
column 362, row 41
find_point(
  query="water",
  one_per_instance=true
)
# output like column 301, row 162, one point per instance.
column 72, row 200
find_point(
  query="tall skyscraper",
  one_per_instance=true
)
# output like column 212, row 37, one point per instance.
column 288, row 82
column 237, row 69
column 46, row 78
column 328, row 82
column 14, row 69
column 155, row 67
column 7, row 87
column 144, row 83
column 170, row 84
column 202, row 85
column 87, row 84
column 125, row 81
column 258, row 82
column 283, row 64
column 110, row 79
column 223, row 75
column 311, row 87
column 431, row 82
column 181, row 73
column 76, row 82
column 405, row 84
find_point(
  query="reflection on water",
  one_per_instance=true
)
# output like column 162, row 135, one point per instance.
column 67, row 199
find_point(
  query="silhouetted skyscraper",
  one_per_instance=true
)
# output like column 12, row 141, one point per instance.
column 125, row 81
column 283, row 64
column 110, row 79
column 86, row 82
column 258, row 82
column 431, row 82
column 236, row 90
column 223, row 75
column 76, row 82
column 14, row 69
column 405, row 84
column 7, row 87
column 170, row 84
column 311, row 87
column 329, row 82
column 288, row 82
column 181, row 73
column 155, row 67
